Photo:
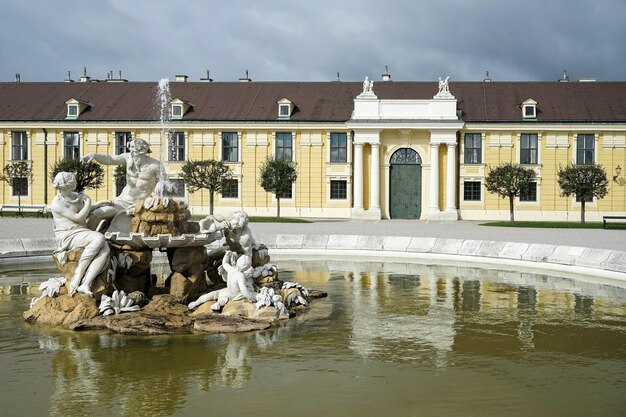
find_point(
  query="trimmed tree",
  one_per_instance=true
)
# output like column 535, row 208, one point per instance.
column 12, row 173
column 88, row 174
column 509, row 180
column 277, row 176
column 585, row 182
column 208, row 174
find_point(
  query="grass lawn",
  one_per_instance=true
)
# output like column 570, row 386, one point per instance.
column 557, row 225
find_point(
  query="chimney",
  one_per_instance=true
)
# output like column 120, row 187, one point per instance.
column 565, row 78
column 181, row 78
column 487, row 79
column 386, row 75
column 246, row 79
column 17, row 77
column 85, row 78
column 69, row 78
column 208, row 78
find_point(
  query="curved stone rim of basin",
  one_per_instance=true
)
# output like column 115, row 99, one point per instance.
column 161, row 240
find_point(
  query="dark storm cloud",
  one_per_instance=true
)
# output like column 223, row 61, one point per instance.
column 297, row 40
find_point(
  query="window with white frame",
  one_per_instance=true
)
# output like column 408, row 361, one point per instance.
column 20, row 187
column 122, row 139
column 177, row 111
column 71, row 145
column 471, row 190
column 179, row 187
column 284, row 146
column 529, row 193
column 585, row 149
column 72, row 111
column 529, row 109
column 473, row 148
column 176, row 147
column 230, row 146
column 230, row 188
column 529, row 148
column 338, row 147
column 284, row 110
column 287, row 194
column 19, row 146
column 338, row 189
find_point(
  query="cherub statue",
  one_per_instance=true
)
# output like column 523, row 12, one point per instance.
column 237, row 272
column 69, row 211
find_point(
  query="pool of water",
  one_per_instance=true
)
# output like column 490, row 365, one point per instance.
column 390, row 339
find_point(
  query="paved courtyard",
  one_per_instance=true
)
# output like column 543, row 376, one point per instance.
column 15, row 228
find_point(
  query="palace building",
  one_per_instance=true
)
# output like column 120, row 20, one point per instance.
column 389, row 149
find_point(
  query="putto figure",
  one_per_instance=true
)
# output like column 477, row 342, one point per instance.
column 142, row 175
column 69, row 211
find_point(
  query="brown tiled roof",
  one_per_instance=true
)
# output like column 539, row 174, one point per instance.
column 314, row 101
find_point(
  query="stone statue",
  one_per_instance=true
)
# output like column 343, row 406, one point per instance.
column 69, row 211
column 236, row 270
column 142, row 175
column 236, row 231
column 368, row 86
column 443, row 85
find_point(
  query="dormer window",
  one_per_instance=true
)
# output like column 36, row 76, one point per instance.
column 529, row 109
column 179, row 108
column 75, row 108
column 72, row 110
column 285, row 108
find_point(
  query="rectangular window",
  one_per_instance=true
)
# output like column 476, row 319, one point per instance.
column 284, row 146
column 585, row 149
column 530, row 194
column 71, row 141
column 20, row 186
column 176, row 148
column 471, row 191
column 179, row 187
column 230, row 147
column 528, row 148
column 338, row 147
column 473, row 148
column 287, row 194
column 19, row 146
column 230, row 189
column 121, row 142
column 338, row 189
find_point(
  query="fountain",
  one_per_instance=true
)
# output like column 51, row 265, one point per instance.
column 106, row 250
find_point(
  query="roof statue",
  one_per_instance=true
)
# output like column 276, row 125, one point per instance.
column 444, row 89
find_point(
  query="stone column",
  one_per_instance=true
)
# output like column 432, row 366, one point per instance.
column 451, row 179
column 375, row 181
column 433, row 203
column 358, row 178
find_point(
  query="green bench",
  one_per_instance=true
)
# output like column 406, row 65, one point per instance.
column 605, row 218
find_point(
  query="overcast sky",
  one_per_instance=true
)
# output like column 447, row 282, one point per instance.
column 312, row 40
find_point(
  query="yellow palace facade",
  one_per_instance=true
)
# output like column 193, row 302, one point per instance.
column 411, row 150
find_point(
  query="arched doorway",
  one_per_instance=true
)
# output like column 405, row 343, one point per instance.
column 405, row 184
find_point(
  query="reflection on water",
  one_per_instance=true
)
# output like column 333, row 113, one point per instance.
column 407, row 338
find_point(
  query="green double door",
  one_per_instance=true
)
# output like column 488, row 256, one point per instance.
column 405, row 191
